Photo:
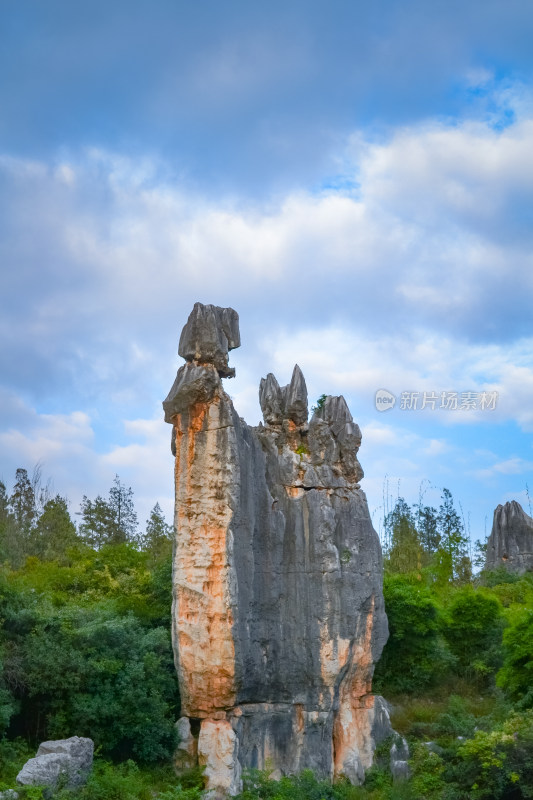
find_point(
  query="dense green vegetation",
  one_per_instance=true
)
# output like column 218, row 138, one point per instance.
column 85, row 649
column 84, row 617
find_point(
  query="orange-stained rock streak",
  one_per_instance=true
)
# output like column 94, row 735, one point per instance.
column 352, row 741
column 202, row 615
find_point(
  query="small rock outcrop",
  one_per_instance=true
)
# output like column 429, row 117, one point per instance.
column 64, row 761
column 186, row 754
column 510, row 543
column 399, row 760
column 278, row 612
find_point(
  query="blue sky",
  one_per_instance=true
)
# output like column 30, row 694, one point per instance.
column 355, row 179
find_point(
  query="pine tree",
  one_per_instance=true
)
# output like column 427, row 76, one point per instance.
column 159, row 535
column 112, row 521
column 22, row 502
column 124, row 527
column 426, row 521
column 97, row 521
column 452, row 555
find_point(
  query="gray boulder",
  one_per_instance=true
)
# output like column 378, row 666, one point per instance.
column 510, row 543
column 68, row 760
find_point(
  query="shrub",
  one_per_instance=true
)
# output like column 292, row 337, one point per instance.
column 414, row 656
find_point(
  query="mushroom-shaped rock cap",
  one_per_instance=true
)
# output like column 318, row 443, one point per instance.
column 209, row 334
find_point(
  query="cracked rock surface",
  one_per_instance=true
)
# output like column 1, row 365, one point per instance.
column 278, row 612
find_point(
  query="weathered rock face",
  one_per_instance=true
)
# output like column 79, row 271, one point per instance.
column 510, row 543
column 278, row 615
column 208, row 336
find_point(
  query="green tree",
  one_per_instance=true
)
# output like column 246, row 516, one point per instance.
column 474, row 632
column 516, row 675
column 415, row 655
column 124, row 524
column 22, row 502
column 451, row 559
column 3, row 502
column 54, row 532
column 97, row 521
column 91, row 672
column 405, row 553
column 159, row 535
column 85, row 647
column 112, row 521
column 4, row 523
column 426, row 522
column 8, row 704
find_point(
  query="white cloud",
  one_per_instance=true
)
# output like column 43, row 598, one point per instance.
column 510, row 466
column 420, row 280
column 65, row 447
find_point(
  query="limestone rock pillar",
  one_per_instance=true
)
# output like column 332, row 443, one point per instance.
column 278, row 612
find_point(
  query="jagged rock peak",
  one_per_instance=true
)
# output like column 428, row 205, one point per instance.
column 270, row 399
column 510, row 543
column 296, row 398
column 286, row 402
column 337, row 414
column 209, row 334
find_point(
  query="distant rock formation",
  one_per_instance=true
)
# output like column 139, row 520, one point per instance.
column 278, row 612
column 510, row 543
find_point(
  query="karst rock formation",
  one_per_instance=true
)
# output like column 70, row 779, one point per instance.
column 510, row 543
column 278, row 612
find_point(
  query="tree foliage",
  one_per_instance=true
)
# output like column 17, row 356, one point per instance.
column 86, row 651
column 112, row 521
column 516, row 675
column 473, row 631
column 159, row 535
column 414, row 656
column 54, row 531
column 418, row 537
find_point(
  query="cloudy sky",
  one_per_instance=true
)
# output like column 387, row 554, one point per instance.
column 354, row 178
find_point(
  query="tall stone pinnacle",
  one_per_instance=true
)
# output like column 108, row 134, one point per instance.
column 278, row 613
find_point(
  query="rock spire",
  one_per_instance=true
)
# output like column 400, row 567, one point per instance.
column 510, row 543
column 278, row 613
